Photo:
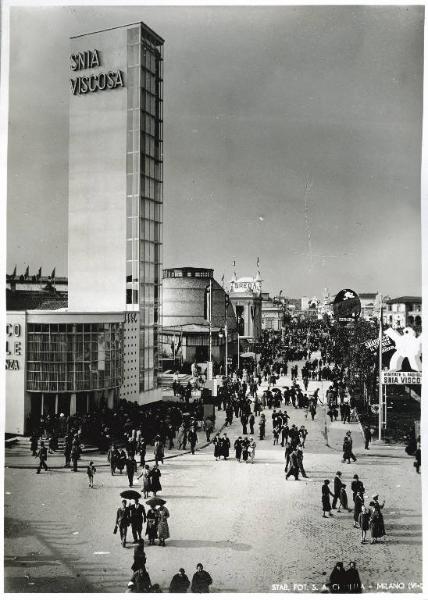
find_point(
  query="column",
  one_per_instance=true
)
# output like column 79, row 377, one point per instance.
column 73, row 404
column 56, row 404
column 110, row 399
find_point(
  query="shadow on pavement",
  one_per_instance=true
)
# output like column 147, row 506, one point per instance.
column 210, row 544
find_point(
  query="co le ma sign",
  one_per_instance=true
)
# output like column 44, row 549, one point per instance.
column 82, row 84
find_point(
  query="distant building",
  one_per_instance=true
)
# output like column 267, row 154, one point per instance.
column 246, row 299
column 404, row 311
column 185, row 333
column 273, row 312
column 370, row 304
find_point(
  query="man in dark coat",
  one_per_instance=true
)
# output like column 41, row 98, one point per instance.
column 43, row 457
column 367, row 437
column 122, row 521
column 337, row 484
column 137, row 516
column 201, row 580
column 131, row 469
column 294, row 466
column 192, row 438
column 251, row 422
column 352, row 580
column 225, row 446
column 179, row 583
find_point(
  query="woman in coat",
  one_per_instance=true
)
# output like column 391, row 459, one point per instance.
column 376, row 524
column 245, row 450
column 152, row 525
column 217, row 448
column 163, row 529
column 378, row 507
column 325, row 498
column 252, row 450
column 238, row 448
column 337, row 582
column 358, row 507
column 158, row 450
column 121, row 461
column 155, row 475
column 145, row 474
column 225, row 446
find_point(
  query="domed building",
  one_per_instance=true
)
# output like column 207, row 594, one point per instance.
column 185, row 326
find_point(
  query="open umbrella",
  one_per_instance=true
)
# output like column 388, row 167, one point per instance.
column 130, row 494
column 155, row 501
column 276, row 390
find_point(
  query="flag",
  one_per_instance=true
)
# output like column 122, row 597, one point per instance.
column 14, row 272
column 39, row 273
column 222, row 281
column 258, row 262
column 27, row 272
column 53, row 274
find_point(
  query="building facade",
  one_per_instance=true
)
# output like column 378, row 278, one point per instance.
column 246, row 299
column 115, row 190
column 61, row 362
column 404, row 311
column 273, row 311
column 186, row 330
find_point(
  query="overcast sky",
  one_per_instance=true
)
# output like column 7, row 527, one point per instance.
column 261, row 104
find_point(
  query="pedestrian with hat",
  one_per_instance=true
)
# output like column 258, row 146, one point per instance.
column 325, row 498
column 201, row 580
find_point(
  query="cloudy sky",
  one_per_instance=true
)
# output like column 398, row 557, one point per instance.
column 292, row 134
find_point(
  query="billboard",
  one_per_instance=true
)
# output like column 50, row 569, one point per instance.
column 346, row 306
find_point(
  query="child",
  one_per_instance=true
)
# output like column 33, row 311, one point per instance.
column 91, row 470
column 364, row 522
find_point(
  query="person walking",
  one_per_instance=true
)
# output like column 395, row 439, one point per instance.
column 42, row 455
column 337, row 484
column 192, row 438
column 252, row 450
column 356, row 486
column 34, row 442
column 75, row 454
column 209, row 428
column 140, row 581
column 155, row 484
column 379, row 507
column 201, row 580
column 140, row 558
column 294, row 466
column 417, row 463
column 91, row 470
column 179, row 583
column 367, row 437
column 299, row 452
column 225, row 446
column 131, row 469
column 158, row 450
column 152, row 525
column 163, row 529
column 358, row 507
column 325, row 498
column 145, row 474
column 364, row 522
column 251, row 422
column 122, row 521
column 238, row 448
column 141, row 449
column 343, row 498
column 137, row 516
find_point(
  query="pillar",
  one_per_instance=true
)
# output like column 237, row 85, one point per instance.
column 42, row 405
column 56, row 404
column 110, row 399
column 73, row 404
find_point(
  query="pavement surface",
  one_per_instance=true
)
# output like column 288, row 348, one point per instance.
column 252, row 530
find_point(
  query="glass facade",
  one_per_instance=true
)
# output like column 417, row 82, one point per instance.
column 74, row 357
column 144, row 201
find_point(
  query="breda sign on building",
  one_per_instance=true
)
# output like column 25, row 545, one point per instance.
column 82, row 84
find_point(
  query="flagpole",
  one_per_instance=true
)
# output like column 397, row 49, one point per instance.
column 380, row 375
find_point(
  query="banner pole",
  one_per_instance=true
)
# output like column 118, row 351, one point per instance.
column 380, row 375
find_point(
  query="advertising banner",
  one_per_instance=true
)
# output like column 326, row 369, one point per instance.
column 401, row 378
